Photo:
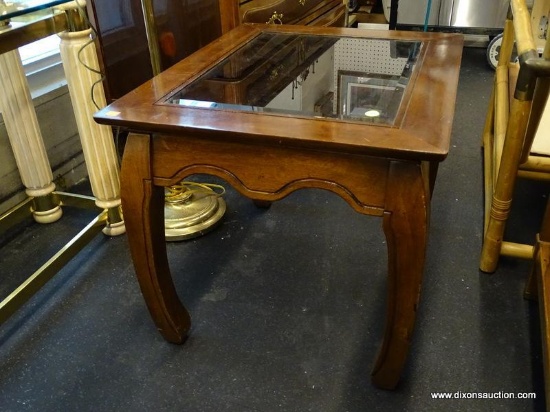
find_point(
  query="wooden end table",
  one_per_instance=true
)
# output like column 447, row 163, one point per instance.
column 371, row 125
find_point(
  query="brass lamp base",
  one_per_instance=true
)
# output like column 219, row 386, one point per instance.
column 191, row 210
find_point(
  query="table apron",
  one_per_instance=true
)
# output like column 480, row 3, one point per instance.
column 271, row 172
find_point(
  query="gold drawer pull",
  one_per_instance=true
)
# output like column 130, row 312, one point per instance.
column 302, row 2
column 277, row 18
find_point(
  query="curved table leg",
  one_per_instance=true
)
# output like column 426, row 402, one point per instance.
column 143, row 206
column 405, row 226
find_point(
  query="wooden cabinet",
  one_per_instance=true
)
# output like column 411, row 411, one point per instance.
column 300, row 12
column 318, row 12
column 121, row 44
column 183, row 27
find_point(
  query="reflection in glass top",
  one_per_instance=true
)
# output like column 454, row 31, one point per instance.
column 13, row 8
column 313, row 76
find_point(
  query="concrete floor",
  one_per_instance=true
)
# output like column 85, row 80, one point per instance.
column 287, row 305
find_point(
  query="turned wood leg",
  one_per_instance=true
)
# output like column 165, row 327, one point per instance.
column 492, row 242
column 405, row 225
column 143, row 205
column 504, row 187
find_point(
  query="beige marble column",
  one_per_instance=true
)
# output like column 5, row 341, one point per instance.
column 81, row 67
column 26, row 139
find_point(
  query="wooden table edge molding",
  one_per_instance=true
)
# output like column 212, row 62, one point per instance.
column 387, row 172
column 420, row 139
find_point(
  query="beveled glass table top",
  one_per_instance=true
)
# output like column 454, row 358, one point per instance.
column 279, row 83
column 353, row 79
column 13, row 8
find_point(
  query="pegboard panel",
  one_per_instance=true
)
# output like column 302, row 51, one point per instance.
column 368, row 56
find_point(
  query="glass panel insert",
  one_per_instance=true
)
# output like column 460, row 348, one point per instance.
column 14, row 8
column 345, row 78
